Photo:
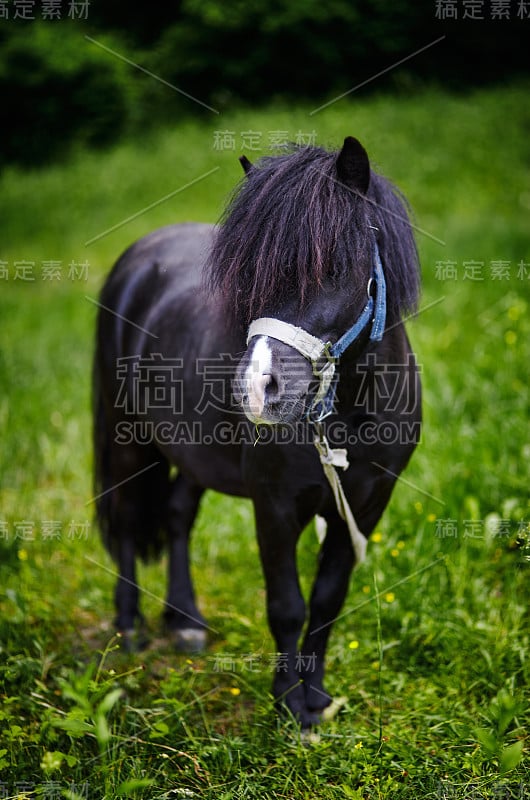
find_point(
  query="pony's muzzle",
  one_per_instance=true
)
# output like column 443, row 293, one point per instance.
column 259, row 395
column 268, row 385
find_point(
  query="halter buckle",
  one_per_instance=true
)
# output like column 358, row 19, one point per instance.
column 329, row 360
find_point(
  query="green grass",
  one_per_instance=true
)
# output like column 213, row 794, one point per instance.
column 435, row 667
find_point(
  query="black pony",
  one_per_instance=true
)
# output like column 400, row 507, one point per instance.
column 316, row 251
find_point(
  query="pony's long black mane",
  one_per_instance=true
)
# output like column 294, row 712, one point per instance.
column 291, row 224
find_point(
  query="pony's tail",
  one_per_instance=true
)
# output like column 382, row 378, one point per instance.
column 102, row 443
column 144, row 513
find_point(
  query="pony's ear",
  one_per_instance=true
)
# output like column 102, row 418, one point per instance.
column 353, row 166
column 245, row 163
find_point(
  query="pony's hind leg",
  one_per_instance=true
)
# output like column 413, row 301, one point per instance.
column 182, row 618
column 129, row 620
column 136, row 497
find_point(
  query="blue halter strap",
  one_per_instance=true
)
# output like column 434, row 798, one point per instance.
column 378, row 317
column 374, row 312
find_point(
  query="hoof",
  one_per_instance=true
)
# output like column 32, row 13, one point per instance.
column 133, row 640
column 331, row 711
column 311, row 722
column 316, row 698
column 309, row 737
column 189, row 640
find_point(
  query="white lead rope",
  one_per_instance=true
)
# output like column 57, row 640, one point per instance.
column 330, row 459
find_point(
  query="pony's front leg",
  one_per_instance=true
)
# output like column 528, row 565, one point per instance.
column 278, row 531
column 327, row 598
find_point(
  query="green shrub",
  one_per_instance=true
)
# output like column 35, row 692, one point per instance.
column 56, row 89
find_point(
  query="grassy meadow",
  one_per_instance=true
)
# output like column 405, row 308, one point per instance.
column 432, row 649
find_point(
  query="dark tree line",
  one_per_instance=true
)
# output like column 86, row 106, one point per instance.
column 58, row 88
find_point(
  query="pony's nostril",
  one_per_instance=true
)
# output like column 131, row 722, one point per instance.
column 272, row 388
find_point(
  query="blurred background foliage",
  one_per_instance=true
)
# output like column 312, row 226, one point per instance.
column 59, row 89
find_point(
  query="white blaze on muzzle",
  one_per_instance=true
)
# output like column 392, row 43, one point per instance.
column 258, row 376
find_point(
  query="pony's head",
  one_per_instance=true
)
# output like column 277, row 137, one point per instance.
column 296, row 255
